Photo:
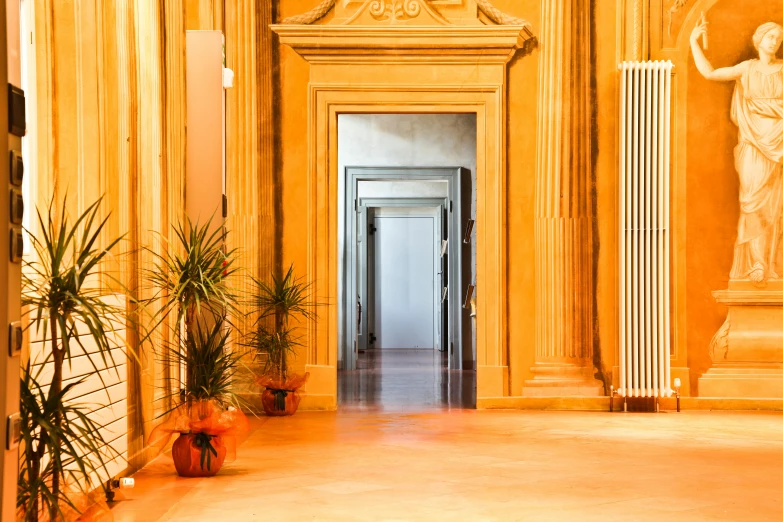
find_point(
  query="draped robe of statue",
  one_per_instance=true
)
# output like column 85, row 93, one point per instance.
column 757, row 110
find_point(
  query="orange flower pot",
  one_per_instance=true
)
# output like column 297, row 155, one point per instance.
column 198, row 454
column 280, row 403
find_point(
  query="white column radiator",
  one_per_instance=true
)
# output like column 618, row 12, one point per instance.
column 645, row 125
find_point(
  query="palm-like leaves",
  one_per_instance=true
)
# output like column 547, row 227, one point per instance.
column 210, row 366
column 58, row 439
column 61, row 285
column 192, row 272
column 278, row 345
column 64, row 289
column 285, row 297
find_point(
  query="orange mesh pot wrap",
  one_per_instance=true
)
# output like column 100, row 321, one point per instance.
column 281, row 397
column 203, row 417
column 189, row 458
column 275, row 382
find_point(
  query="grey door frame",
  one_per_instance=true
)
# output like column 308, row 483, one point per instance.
column 347, row 305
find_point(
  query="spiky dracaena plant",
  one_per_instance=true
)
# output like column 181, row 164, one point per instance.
column 273, row 335
column 211, row 368
column 64, row 289
column 58, row 439
column 190, row 277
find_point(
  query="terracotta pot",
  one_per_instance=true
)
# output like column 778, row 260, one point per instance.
column 273, row 399
column 187, row 455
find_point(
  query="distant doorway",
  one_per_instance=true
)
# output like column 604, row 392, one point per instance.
column 403, row 294
column 419, row 212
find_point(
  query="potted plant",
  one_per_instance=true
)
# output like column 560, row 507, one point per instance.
column 209, row 420
column 191, row 277
column 64, row 292
column 274, row 337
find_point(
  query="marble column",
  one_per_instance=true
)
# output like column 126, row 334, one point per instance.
column 563, row 233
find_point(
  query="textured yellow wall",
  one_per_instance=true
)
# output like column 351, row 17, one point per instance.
column 520, row 183
column 294, row 77
column 606, row 55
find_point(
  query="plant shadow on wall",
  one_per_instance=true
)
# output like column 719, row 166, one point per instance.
column 275, row 337
column 63, row 452
column 191, row 280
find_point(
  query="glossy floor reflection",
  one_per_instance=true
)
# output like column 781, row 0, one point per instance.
column 469, row 465
column 405, row 381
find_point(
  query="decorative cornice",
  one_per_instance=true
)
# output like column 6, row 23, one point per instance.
column 759, row 297
column 391, row 10
column 364, row 42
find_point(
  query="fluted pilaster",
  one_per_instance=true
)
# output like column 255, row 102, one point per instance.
column 563, row 336
column 250, row 140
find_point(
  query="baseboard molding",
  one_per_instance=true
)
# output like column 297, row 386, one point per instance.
column 602, row 404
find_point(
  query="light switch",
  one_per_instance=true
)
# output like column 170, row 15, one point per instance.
column 14, row 339
column 13, row 431
column 17, row 206
column 17, row 245
column 16, row 114
column 17, row 168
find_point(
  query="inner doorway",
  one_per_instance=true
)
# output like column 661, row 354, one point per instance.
column 406, row 334
column 403, row 293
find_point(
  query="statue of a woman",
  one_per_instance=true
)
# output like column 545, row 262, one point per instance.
column 757, row 109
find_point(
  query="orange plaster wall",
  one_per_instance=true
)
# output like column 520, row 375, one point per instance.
column 605, row 160
column 520, row 187
column 294, row 78
column 712, row 187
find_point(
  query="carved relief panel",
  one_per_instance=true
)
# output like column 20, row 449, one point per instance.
column 418, row 12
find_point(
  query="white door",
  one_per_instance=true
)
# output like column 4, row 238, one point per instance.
column 407, row 282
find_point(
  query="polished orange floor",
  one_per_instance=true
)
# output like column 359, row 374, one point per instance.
column 405, row 380
column 400, row 462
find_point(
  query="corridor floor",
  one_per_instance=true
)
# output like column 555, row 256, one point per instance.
column 396, row 461
column 483, row 465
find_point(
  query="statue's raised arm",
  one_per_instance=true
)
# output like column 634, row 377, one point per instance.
column 757, row 110
column 724, row 74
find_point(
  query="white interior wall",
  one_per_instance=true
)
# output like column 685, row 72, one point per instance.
column 407, row 140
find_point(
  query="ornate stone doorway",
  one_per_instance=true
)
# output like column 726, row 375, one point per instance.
column 407, row 56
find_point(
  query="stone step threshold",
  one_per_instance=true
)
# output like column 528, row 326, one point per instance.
column 602, row 404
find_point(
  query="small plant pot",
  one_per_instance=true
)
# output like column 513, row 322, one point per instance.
column 198, row 454
column 280, row 403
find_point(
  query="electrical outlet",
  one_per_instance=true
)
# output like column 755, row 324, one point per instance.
column 17, row 168
column 17, row 245
column 13, row 431
column 14, row 339
column 16, row 113
column 17, row 206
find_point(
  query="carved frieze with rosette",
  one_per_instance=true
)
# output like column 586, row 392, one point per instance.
column 394, row 10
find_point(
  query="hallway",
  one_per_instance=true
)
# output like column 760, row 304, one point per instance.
column 482, row 465
column 405, row 380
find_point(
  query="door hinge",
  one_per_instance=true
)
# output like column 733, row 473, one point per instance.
column 451, row 206
column 372, row 229
column 356, row 205
column 451, row 348
column 372, row 338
